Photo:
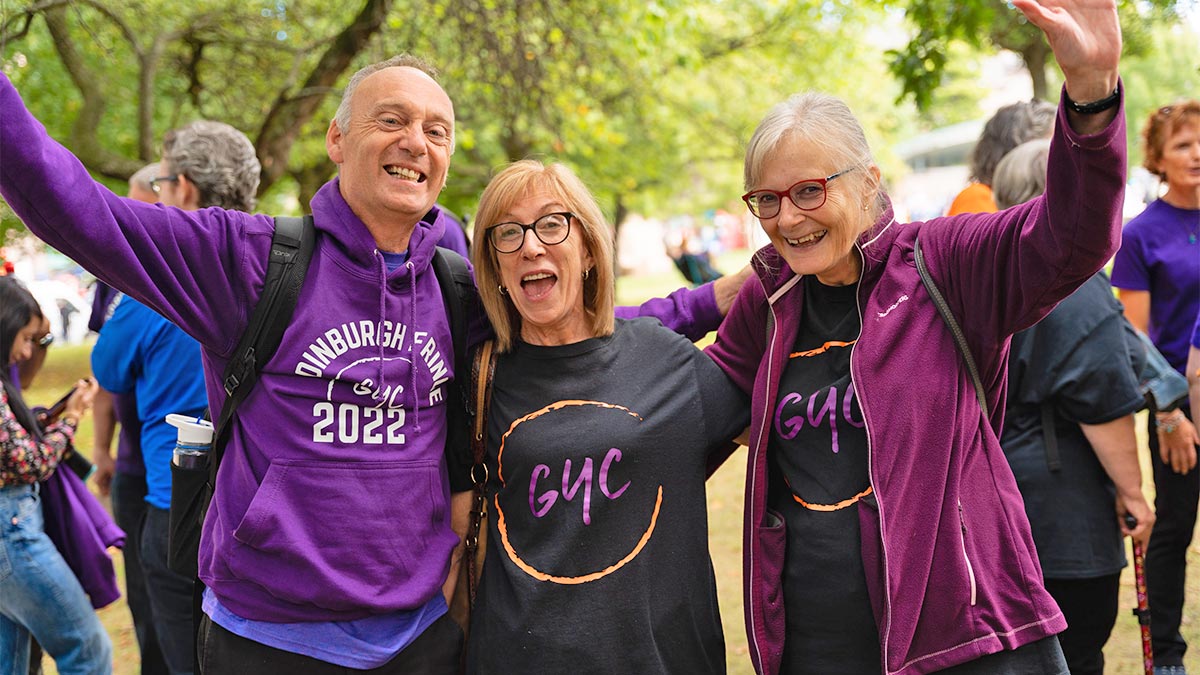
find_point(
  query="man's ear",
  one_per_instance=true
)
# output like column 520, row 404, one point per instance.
column 333, row 142
column 189, row 194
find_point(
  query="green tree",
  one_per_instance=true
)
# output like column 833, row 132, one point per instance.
column 263, row 68
column 994, row 24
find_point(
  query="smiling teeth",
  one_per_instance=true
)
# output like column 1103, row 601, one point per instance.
column 536, row 277
column 806, row 239
column 402, row 172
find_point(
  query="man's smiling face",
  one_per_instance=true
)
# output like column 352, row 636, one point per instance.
column 394, row 156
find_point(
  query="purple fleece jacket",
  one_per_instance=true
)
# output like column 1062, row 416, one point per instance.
column 950, row 560
column 332, row 499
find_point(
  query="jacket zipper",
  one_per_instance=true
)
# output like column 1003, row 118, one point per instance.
column 758, row 445
column 962, row 537
column 862, row 404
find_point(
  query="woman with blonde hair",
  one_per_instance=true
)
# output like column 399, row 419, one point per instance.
column 600, row 434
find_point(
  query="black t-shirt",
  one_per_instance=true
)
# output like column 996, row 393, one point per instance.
column 598, row 556
column 819, row 465
column 1078, row 361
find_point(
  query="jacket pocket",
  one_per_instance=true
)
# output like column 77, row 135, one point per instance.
column 772, row 553
column 346, row 536
column 962, row 538
column 22, row 526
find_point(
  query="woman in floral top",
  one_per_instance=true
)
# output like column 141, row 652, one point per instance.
column 39, row 594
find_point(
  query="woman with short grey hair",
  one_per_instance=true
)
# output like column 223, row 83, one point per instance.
column 1011, row 126
column 208, row 163
column 884, row 531
column 1021, row 175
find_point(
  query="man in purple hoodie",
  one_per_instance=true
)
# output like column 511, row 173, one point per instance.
column 328, row 539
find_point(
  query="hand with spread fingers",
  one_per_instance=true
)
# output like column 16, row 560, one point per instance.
column 1086, row 38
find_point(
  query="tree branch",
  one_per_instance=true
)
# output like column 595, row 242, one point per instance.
column 83, row 139
column 288, row 114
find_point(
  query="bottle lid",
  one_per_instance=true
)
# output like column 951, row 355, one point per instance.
column 192, row 430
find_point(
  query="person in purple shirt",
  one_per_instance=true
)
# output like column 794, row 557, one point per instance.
column 884, row 529
column 124, row 480
column 1157, row 274
column 328, row 539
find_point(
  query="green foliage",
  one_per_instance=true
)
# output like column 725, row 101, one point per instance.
column 1152, row 80
column 651, row 103
column 994, row 24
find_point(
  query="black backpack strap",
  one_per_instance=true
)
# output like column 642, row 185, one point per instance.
column 291, row 250
column 960, row 339
column 458, row 291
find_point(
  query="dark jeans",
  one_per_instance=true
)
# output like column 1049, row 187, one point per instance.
column 1166, row 556
column 434, row 652
column 170, row 595
column 1090, row 606
column 129, row 508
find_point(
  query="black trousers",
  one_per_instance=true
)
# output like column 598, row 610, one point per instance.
column 169, row 592
column 1166, row 556
column 1090, row 606
column 129, row 510
column 434, row 652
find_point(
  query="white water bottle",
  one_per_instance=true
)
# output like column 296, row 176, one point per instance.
column 193, row 441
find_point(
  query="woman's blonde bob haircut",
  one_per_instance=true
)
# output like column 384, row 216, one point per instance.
column 520, row 181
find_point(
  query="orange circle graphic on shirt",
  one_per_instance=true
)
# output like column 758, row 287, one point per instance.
column 502, row 525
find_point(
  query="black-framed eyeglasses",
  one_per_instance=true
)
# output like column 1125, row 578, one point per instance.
column 46, row 340
column 154, row 182
column 807, row 195
column 550, row 229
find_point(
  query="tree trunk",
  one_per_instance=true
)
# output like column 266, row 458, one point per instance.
column 1036, row 56
column 288, row 115
column 83, row 140
column 310, row 179
column 620, row 213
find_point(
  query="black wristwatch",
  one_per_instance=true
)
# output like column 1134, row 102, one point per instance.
column 1093, row 107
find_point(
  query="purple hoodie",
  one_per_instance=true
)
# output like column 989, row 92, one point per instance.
column 332, row 499
column 950, row 561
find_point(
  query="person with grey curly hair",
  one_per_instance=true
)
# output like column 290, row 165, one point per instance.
column 208, row 163
column 1011, row 126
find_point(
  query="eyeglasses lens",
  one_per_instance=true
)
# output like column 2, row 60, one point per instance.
column 550, row 229
column 806, row 195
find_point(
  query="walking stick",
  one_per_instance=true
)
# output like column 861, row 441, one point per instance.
column 1142, row 612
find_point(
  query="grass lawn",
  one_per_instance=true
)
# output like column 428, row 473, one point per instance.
column 1123, row 654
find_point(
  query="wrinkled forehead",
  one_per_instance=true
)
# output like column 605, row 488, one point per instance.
column 404, row 87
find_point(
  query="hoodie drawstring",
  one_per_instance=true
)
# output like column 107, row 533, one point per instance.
column 412, row 326
column 382, row 309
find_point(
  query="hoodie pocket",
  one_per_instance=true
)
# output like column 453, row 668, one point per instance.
column 346, row 535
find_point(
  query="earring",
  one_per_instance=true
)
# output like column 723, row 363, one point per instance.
column 866, row 207
column 585, row 274
column 503, row 290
